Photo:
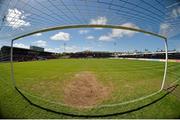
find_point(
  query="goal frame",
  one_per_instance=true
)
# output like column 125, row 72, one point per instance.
column 98, row 26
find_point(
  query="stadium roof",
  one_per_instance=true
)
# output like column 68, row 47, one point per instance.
column 20, row 17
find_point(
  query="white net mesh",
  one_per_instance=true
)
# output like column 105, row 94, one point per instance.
column 19, row 17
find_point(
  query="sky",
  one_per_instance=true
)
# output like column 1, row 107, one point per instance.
column 92, row 39
column 20, row 19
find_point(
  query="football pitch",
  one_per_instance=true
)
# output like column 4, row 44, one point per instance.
column 89, row 87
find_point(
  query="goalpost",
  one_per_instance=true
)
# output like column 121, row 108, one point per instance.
column 100, row 26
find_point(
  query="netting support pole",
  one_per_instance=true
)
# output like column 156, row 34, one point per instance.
column 166, row 64
column 12, row 68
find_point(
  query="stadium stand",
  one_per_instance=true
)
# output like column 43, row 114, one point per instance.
column 22, row 54
column 91, row 54
column 152, row 55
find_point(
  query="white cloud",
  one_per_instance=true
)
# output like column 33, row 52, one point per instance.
column 74, row 48
column 90, row 37
column 99, row 21
column 83, row 31
column 118, row 33
column 87, row 48
column 175, row 12
column 38, row 34
column 55, row 50
column 105, row 38
column 20, row 45
column 40, row 43
column 164, row 29
column 15, row 18
column 61, row 36
column 71, row 48
column 4, row 43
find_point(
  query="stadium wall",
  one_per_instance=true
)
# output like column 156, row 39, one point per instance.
column 147, row 59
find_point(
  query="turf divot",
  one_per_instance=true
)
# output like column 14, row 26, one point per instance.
column 85, row 90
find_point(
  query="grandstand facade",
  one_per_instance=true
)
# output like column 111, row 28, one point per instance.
column 37, row 53
column 22, row 54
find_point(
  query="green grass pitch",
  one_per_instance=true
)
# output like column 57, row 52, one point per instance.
column 130, row 79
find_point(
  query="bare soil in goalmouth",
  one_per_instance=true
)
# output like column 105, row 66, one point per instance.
column 84, row 90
